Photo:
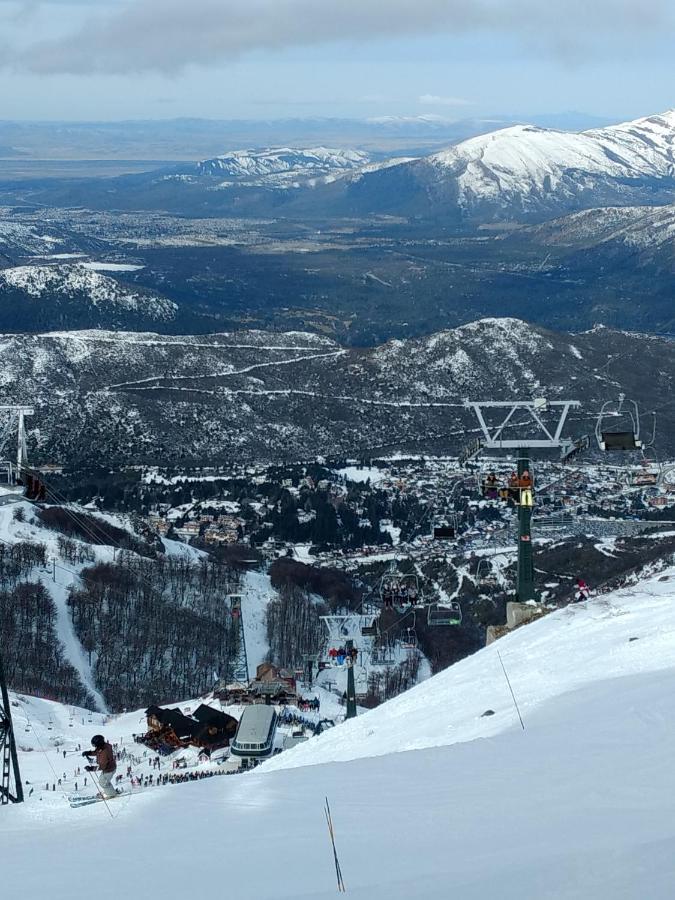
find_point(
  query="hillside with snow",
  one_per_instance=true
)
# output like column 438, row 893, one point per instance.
column 19, row 239
column 43, row 295
column 442, row 783
column 156, row 398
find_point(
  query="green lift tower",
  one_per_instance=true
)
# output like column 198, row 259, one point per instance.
column 538, row 424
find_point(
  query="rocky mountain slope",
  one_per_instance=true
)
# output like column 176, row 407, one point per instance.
column 37, row 296
column 143, row 397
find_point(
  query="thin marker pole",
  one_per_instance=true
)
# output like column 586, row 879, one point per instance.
column 515, row 702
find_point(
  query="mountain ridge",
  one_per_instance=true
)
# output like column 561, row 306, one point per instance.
column 133, row 398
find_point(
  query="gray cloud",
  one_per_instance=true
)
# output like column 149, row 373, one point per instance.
column 168, row 35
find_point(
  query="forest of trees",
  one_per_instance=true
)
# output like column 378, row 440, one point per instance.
column 32, row 653
column 393, row 680
column 294, row 628
column 91, row 529
column 156, row 630
column 335, row 587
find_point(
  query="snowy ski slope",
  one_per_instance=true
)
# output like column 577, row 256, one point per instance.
column 428, row 796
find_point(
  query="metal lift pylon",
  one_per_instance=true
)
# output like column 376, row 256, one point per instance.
column 550, row 437
column 240, row 666
column 11, row 788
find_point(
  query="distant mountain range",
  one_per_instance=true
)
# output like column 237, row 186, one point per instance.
column 122, row 397
column 192, row 139
column 519, row 173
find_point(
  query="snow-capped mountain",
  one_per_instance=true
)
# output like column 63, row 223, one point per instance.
column 283, row 164
column 526, row 171
column 150, row 397
column 76, row 295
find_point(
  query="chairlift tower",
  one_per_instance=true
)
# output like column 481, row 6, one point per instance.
column 240, row 666
column 11, row 788
column 339, row 629
column 13, row 417
column 549, row 431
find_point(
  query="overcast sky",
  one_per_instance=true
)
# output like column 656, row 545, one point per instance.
column 112, row 59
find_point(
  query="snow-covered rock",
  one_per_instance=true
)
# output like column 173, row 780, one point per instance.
column 77, row 290
column 283, row 163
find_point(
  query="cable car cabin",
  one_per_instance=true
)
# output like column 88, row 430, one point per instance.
column 444, row 614
column 444, row 532
column 254, row 739
column 619, row 440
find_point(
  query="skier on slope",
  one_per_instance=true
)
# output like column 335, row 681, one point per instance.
column 105, row 763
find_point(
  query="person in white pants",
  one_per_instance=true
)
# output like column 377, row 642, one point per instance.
column 105, row 764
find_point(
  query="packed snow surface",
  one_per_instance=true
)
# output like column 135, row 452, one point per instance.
column 430, row 797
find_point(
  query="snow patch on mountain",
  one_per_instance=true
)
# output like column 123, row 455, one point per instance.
column 80, row 283
column 283, row 163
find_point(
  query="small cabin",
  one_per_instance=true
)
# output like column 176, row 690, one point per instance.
column 207, row 728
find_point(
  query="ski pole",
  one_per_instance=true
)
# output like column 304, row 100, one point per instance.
column 94, row 778
column 338, row 871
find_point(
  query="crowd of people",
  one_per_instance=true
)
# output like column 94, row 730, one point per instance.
column 311, row 705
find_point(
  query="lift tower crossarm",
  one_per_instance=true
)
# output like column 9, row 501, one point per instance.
column 492, row 435
column 552, row 439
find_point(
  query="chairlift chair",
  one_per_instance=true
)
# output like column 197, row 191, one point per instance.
column 371, row 630
column 625, row 437
column 485, row 577
column 444, row 614
column 410, row 640
column 444, row 527
column 382, row 655
column 398, row 590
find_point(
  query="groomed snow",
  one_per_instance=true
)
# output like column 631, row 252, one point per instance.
column 579, row 806
column 631, row 632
